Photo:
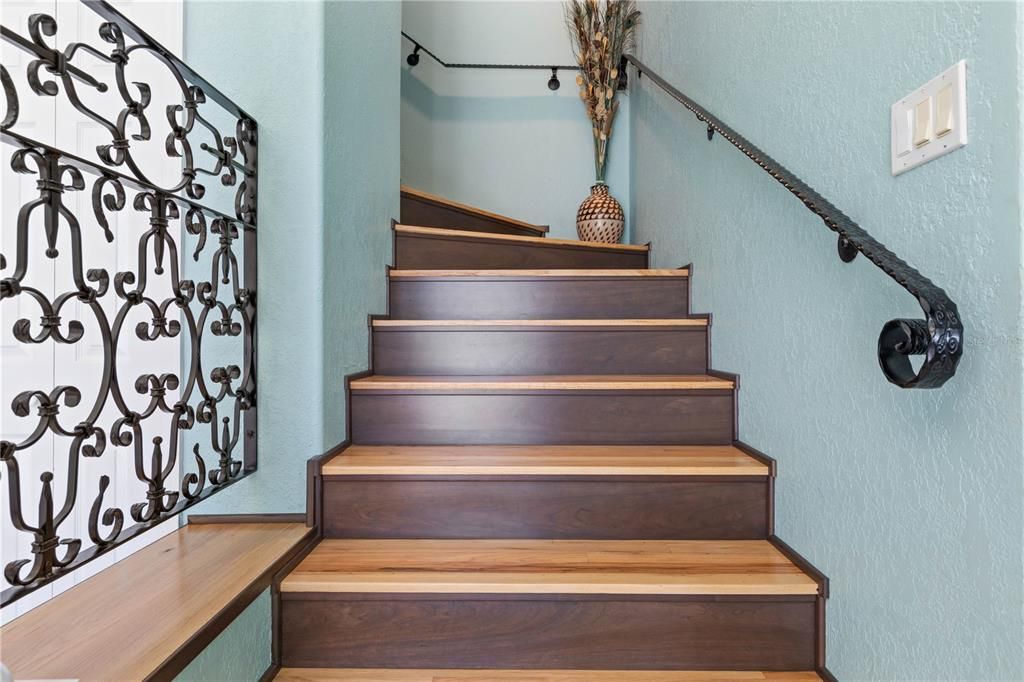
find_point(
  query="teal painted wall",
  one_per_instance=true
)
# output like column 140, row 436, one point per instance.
column 322, row 81
column 275, row 71
column 241, row 653
column 361, row 181
column 500, row 139
column 909, row 500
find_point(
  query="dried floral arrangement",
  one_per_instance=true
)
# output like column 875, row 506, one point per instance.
column 600, row 32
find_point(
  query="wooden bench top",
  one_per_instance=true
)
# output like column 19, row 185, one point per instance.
column 138, row 616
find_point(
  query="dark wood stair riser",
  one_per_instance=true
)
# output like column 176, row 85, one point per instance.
column 699, row 417
column 419, row 252
column 542, row 298
column 605, row 508
column 548, row 351
column 423, row 212
column 552, row 632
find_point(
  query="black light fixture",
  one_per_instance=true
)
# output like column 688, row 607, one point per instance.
column 414, row 57
column 553, row 82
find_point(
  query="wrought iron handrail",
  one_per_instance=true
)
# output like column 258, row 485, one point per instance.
column 222, row 398
column 938, row 337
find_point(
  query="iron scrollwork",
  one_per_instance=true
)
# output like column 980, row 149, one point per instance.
column 938, row 337
column 222, row 398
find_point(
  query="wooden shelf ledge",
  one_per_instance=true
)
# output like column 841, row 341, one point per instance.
column 151, row 613
column 544, row 460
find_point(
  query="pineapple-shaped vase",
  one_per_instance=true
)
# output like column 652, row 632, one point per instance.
column 600, row 217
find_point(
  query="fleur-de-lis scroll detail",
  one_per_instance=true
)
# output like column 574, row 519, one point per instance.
column 150, row 429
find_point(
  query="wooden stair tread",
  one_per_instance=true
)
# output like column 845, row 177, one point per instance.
column 434, row 198
column 636, row 567
column 410, row 675
column 553, row 382
column 680, row 273
column 515, row 239
column 543, row 323
column 545, row 460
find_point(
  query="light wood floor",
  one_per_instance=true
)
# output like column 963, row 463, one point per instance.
column 354, row 675
column 549, row 567
column 540, row 460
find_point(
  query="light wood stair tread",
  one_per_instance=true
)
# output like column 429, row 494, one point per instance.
column 378, row 675
column 553, row 382
column 545, row 323
column 437, row 199
column 679, row 273
column 545, row 460
column 512, row 238
column 637, row 567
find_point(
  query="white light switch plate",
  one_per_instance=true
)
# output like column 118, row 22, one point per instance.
column 930, row 121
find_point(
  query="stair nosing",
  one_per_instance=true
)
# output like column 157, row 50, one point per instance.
column 610, row 382
column 456, row 583
column 466, row 275
column 540, row 323
column 300, row 674
column 470, row 235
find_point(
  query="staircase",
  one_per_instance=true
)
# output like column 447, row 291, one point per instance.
column 543, row 482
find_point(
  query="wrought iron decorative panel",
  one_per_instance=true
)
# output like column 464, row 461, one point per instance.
column 214, row 407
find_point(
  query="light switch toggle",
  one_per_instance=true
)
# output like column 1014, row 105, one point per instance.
column 923, row 122
column 944, row 111
column 904, row 124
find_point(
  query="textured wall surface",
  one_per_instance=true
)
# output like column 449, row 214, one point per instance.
column 361, row 180
column 909, row 500
column 241, row 653
column 500, row 139
column 322, row 81
column 275, row 71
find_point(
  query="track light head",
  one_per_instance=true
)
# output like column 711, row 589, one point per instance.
column 553, row 82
